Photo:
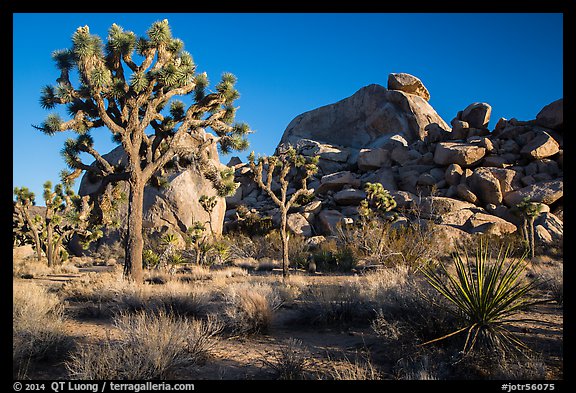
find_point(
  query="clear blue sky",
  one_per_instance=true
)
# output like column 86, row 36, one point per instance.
column 287, row 64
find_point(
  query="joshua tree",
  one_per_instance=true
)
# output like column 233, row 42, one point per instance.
column 129, row 100
column 379, row 203
column 529, row 211
column 208, row 204
column 282, row 164
column 66, row 214
column 25, row 225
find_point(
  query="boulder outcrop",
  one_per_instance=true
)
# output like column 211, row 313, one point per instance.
column 172, row 208
column 467, row 178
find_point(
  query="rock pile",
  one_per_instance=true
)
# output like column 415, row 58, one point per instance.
column 172, row 208
column 466, row 177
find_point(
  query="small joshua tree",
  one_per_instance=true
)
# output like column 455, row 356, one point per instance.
column 208, row 204
column 196, row 238
column 529, row 212
column 282, row 165
column 378, row 203
column 66, row 214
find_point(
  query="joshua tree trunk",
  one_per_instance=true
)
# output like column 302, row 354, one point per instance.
column 532, row 243
column 135, row 242
column 284, row 235
column 34, row 233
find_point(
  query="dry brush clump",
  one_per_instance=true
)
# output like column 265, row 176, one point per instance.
column 362, row 368
column 331, row 304
column 291, row 361
column 38, row 326
column 107, row 294
column 249, row 307
column 150, row 346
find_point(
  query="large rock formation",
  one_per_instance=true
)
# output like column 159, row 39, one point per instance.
column 367, row 119
column 172, row 208
column 466, row 178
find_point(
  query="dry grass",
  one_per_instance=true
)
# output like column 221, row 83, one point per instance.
column 249, row 307
column 37, row 326
column 107, row 294
column 360, row 369
column 332, row 304
column 151, row 346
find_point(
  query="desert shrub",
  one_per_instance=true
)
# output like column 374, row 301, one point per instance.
column 177, row 297
column 390, row 244
column 419, row 368
column 150, row 346
column 290, row 362
column 38, row 327
column 403, row 306
column 107, row 294
column 360, row 369
column 29, row 268
column 484, row 294
column 252, row 223
column 333, row 305
column 249, row 307
column 242, row 246
column 551, row 278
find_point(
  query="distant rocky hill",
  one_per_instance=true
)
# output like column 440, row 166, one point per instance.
column 463, row 176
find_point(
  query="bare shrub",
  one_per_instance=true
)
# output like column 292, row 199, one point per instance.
column 420, row 369
column 403, row 304
column 38, row 322
column 151, row 346
column 290, row 362
column 551, row 276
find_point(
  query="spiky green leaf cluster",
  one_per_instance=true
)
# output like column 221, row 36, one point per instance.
column 159, row 33
column 85, row 45
column 24, row 196
column 120, row 43
column 485, row 294
column 378, row 201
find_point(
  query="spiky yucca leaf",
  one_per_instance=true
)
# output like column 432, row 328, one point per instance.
column 120, row 42
column 51, row 125
column 47, row 97
column 177, row 110
column 485, row 295
column 159, row 32
column 175, row 46
column 139, row 81
column 64, row 59
column 201, row 81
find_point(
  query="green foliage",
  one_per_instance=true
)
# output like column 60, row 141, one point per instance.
column 252, row 223
column 485, row 295
column 150, row 259
column 66, row 214
column 378, row 201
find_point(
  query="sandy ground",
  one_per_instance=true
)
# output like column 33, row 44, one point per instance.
column 243, row 357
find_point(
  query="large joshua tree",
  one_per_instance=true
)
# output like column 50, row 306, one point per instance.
column 128, row 99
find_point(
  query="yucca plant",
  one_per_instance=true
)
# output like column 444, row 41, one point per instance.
column 486, row 295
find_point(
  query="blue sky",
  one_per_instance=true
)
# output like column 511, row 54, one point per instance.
column 287, row 64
